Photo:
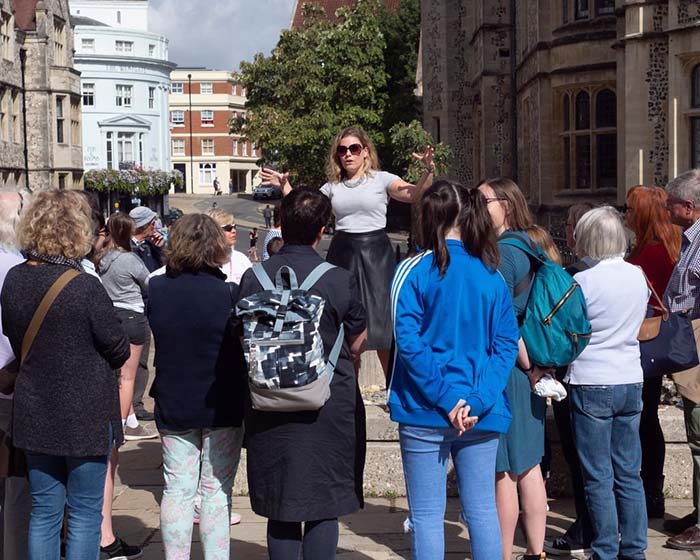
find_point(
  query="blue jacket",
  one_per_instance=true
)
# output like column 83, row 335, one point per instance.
column 456, row 338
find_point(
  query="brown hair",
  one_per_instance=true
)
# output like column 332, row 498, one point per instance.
column 541, row 237
column 334, row 169
column 446, row 205
column 120, row 228
column 651, row 222
column 576, row 211
column 57, row 223
column 518, row 215
column 195, row 242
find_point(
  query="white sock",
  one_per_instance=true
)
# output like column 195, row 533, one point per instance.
column 132, row 421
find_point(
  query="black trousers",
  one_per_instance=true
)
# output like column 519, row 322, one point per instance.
column 581, row 531
column 651, row 435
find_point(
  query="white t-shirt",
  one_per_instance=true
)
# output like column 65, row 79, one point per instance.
column 235, row 268
column 361, row 208
column 616, row 294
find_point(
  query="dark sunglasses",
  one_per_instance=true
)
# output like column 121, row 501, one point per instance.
column 354, row 149
column 228, row 228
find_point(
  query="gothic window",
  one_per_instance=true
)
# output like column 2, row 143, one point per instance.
column 589, row 150
column 695, row 87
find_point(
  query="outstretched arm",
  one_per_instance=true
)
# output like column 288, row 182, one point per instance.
column 406, row 192
column 277, row 179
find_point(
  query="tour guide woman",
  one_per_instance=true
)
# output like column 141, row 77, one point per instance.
column 359, row 193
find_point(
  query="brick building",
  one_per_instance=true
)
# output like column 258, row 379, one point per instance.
column 40, row 117
column 586, row 98
column 330, row 7
column 208, row 150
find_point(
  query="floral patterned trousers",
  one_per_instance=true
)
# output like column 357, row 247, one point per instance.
column 206, row 459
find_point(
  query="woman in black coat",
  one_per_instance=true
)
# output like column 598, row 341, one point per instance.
column 66, row 401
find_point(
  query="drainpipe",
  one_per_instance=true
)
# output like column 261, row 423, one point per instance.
column 514, row 93
column 23, row 66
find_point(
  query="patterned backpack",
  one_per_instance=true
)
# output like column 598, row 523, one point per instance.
column 287, row 369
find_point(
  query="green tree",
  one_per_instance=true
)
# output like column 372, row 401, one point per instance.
column 317, row 80
column 401, row 28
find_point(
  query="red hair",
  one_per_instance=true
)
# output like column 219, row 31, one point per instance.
column 651, row 222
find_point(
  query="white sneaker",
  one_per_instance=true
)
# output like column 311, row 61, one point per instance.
column 547, row 386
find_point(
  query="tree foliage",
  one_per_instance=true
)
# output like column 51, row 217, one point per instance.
column 317, row 80
column 412, row 137
column 132, row 180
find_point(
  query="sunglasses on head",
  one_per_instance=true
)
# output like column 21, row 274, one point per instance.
column 228, row 228
column 354, row 149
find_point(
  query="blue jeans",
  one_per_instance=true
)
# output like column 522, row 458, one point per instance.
column 424, row 453
column 605, row 421
column 54, row 482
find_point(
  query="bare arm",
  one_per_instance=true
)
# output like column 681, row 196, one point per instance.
column 533, row 372
column 406, row 192
column 277, row 179
column 357, row 346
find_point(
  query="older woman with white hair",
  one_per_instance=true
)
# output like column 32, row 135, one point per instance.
column 606, row 388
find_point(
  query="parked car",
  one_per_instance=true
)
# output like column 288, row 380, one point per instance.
column 266, row 192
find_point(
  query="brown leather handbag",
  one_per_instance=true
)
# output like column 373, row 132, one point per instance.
column 12, row 460
column 652, row 326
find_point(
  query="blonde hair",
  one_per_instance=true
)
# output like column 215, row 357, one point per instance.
column 10, row 211
column 541, row 237
column 57, row 223
column 195, row 242
column 334, row 170
column 221, row 217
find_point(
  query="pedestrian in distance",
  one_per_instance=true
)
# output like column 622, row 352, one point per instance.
column 655, row 250
column 125, row 276
column 275, row 232
column 238, row 263
column 70, row 362
column 198, row 387
column 305, row 467
column 267, row 214
column 15, row 499
column 217, row 187
column 682, row 295
column 521, row 448
column 253, row 251
column 448, row 391
column 606, row 388
column 359, row 192
column 230, row 186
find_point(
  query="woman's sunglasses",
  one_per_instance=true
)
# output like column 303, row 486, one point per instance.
column 354, row 149
column 228, row 228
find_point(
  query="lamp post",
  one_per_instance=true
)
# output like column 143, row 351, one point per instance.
column 189, row 90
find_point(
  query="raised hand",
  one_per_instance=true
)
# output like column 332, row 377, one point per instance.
column 274, row 177
column 426, row 158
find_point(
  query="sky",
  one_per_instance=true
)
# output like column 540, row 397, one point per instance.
column 219, row 34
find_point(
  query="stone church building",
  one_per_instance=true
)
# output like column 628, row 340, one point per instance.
column 40, row 112
column 575, row 99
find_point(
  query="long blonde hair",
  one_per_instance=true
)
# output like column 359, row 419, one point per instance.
column 334, row 169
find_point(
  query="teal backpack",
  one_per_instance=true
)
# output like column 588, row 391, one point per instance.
column 555, row 324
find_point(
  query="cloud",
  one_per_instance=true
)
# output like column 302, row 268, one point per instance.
column 219, row 34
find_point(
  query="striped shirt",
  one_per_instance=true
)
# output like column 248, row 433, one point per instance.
column 683, row 290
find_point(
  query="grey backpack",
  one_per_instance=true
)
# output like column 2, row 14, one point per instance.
column 287, row 369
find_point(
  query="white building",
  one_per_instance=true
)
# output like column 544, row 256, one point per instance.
column 125, row 82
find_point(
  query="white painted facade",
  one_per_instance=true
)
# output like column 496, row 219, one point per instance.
column 125, row 82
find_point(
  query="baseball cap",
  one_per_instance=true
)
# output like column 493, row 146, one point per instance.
column 142, row 215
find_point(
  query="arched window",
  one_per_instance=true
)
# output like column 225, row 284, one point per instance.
column 567, row 111
column 695, row 87
column 605, row 109
column 583, row 111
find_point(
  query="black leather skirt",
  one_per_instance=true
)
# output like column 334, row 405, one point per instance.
column 371, row 260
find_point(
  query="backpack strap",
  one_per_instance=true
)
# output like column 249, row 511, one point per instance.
column 279, row 283
column 335, row 353
column 533, row 252
column 315, row 275
column 263, row 277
